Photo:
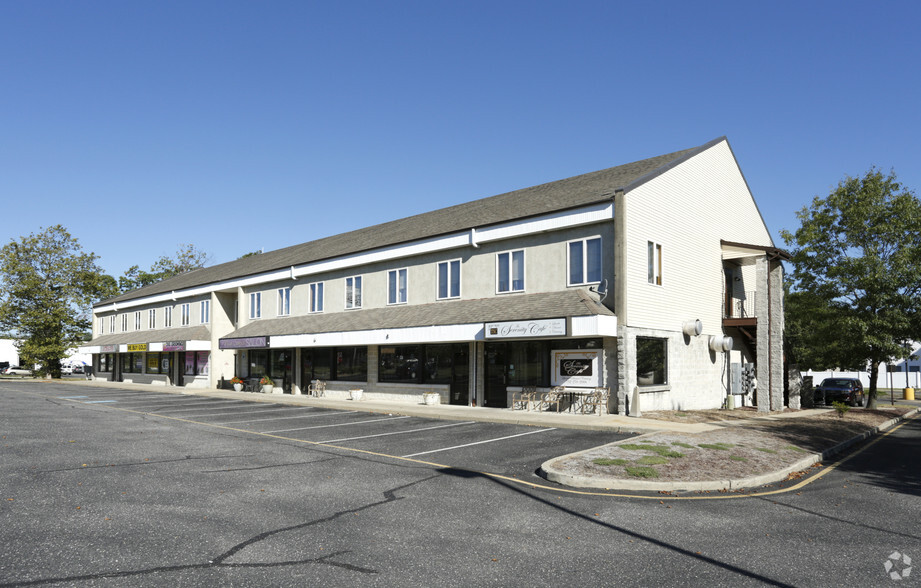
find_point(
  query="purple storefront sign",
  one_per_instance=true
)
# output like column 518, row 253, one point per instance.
column 243, row 343
column 174, row 346
column 108, row 349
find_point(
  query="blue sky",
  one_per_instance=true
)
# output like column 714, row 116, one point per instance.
column 237, row 126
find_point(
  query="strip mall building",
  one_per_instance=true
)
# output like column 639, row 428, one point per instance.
column 657, row 279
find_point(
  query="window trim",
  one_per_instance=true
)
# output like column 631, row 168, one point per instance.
column 510, row 254
column 316, row 297
column 185, row 314
column 284, row 301
column 654, row 263
column 665, row 363
column 204, row 312
column 585, row 267
column 112, row 324
column 255, row 305
column 353, row 286
column 168, row 317
column 448, row 295
column 152, row 318
column 393, row 296
column 124, row 322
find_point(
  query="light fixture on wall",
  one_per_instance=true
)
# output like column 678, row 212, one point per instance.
column 720, row 343
column 692, row 328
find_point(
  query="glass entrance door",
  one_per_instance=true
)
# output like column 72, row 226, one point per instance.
column 460, row 379
column 496, row 396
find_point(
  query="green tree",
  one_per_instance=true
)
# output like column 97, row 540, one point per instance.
column 187, row 258
column 47, row 285
column 854, row 301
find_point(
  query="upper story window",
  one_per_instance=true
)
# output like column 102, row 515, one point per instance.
column 124, row 323
column 353, row 292
column 449, row 279
column 510, row 271
column 316, row 297
column 396, row 286
column 152, row 318
column 284, row 301
column 185, row 314
column 112, row 324
column 205, row 311
column 654, row 262
column 255, row 305
column 585, row 261
column 137, row 320
column 167, row 316
column 102, row 325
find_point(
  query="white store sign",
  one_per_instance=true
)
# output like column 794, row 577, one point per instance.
column 576, row 368
column 520, row 329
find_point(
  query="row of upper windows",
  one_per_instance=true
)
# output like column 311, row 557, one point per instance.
column 185, row 318
column 584, row 267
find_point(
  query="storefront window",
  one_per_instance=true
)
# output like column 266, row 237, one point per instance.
column 153, row 363
column 189, row 363
column 528, row 363
column 203, row 363
column 401, row 364
column 352, row 364
column 651, row 361
column 258, row 362
column 439, row 363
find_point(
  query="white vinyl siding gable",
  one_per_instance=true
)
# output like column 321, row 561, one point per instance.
column 687, row 210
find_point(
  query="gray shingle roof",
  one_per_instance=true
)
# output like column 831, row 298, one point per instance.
column 577, row 191
column 199, row 333
column 566, row 303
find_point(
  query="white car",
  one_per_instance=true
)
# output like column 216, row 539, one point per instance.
column 15, row 370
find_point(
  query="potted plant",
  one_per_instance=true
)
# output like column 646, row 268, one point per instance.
column 237, row 382
column 267, row 384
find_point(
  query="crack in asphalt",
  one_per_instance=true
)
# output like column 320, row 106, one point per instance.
column 221, row 560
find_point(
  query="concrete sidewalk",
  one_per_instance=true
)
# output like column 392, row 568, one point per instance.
column 613, row 422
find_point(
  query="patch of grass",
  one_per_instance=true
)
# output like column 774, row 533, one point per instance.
column 738, row 458
column 765, row 450
column 685, row 445
column 642, row 472
column 719, row 446
column 681, row 414
column 651, row 460
column 604, row 461
column 662, row 450
column 795, row 448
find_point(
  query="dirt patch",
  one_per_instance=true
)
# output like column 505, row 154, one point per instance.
column 736, row 449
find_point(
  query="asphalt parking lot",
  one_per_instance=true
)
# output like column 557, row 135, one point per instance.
column 513, row 450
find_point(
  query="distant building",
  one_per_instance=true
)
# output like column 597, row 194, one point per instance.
column 8, row 352
column 651, row 278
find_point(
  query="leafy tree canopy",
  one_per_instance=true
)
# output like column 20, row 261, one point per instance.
column 47, row 285
column 854, row 300
column 187, row 258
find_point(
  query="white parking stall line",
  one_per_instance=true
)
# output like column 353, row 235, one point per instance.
column 289, row 417
column 396, row 432
column 337, row 425
column 71, row 397
column 479, row 442
column 201, row 407
column 236, row 411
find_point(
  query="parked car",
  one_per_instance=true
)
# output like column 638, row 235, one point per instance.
column 78, row 369
column 15, row 370
column 848, row 390
column 66, row 370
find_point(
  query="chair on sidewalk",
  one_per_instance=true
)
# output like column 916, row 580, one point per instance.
column 317, row 388
column 554, row 396
column 527, row 395
column 597, row 399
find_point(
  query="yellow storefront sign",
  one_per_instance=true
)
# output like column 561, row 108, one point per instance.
column 137, row 347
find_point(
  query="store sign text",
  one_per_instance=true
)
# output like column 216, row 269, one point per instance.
column 137, row 347
column 520, row 329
